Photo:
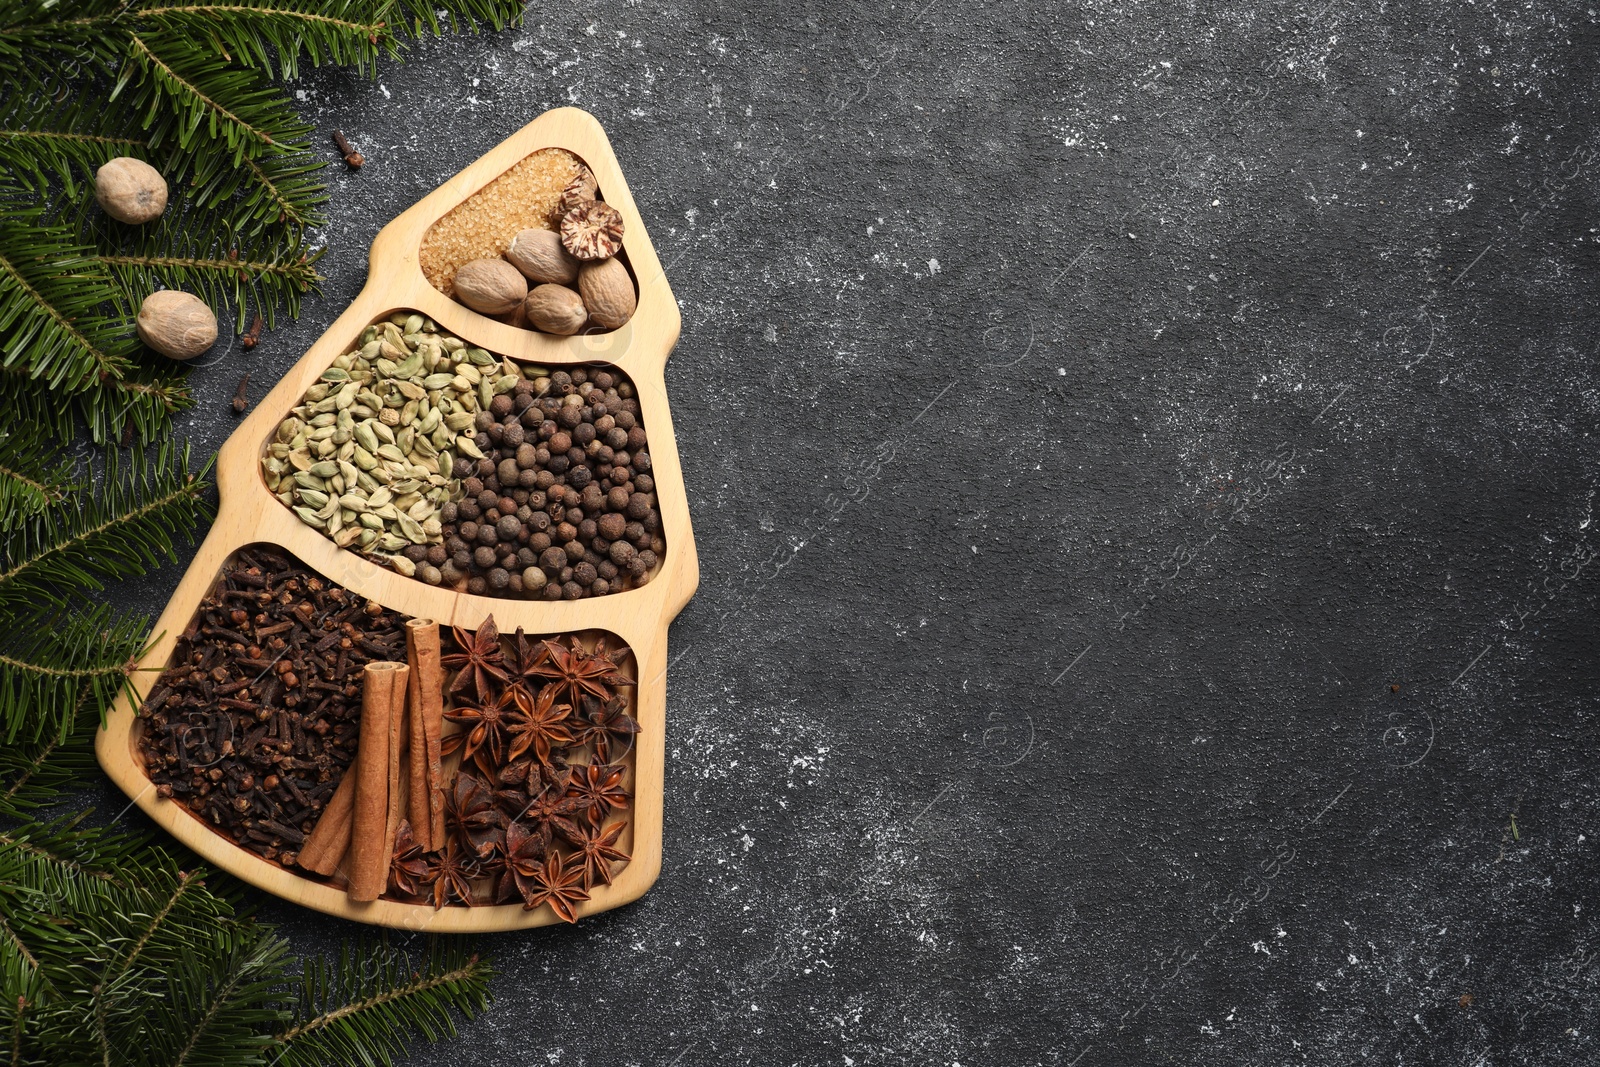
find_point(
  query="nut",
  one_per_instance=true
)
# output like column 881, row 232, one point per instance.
column 540, row 255
column 607, row 292
column 580, row 190
column 490, row 286
column 557, row 309
column 130, row 190
column 592, row 230
column 176, row 324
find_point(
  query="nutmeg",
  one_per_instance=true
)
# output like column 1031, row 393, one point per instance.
column 555, row 309
column 179, row 325
column 490, row 286
column 592, row 230
column 130, row 190
column 607, row 290
column 540, row 256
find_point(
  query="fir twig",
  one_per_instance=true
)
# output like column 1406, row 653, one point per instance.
column 354, row 1008
column 56, row 556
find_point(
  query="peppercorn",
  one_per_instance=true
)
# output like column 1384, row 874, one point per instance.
column 477, row 586
column 571, row 590
column 484, row 556
column 500, row 406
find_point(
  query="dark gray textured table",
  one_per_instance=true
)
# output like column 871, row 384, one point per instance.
column 1143, row 465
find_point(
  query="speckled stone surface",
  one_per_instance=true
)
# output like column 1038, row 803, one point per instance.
column 1144, row 467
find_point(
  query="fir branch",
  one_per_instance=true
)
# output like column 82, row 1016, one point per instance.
column 52, row 667
column 34, row 473
column 42, row 140
column 56, row 556
column 146, row 398
column 52, row 294
column 272, row 34
column 236, row 104
column 246, row 275
column 352, row 1009
column 38, row 773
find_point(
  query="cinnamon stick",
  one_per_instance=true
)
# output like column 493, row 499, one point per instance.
column 376, row 766
column 330, row 838
column 425, row 697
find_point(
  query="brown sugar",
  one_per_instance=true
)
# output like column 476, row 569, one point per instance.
column 526, row 197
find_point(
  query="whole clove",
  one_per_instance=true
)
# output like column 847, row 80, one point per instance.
column 240, row 401
column 352, row 158
column 261, row 701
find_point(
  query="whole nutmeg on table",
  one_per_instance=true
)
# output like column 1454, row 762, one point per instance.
column 540, row 255
column 490, row 286
column 555, row 309
column 592, row 230
column 130, row 190
column 607, row 290
column 179, row 325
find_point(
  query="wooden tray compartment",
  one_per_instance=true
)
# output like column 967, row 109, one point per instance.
column 594, row 364
column 248, row 513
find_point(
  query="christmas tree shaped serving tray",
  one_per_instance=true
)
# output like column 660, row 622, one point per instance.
column 476, row 469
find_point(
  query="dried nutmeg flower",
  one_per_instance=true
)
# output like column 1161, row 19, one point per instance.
column 555, row 309
column 130, row 190
column 179, row 325
column 592, row 230
column 490, row 286
column 580, row 190
column 540, row 256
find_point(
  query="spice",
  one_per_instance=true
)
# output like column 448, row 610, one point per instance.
column 176, row 324
column 562, row 505
column 329, row 840
column 425, row 700
column 240, row 401
column 367, row 456
column 130, row 190
column 525, row 197
column 592, row 230
column 352, row 158
column 254, row 722
column 377, row 778
column 252, row 336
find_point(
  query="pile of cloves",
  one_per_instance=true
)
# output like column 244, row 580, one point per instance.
column 256, row 720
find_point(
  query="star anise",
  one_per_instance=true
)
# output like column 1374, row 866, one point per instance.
column 489, row 729
column 470, row 808
column 597, row 851
column 525, row 851
column 554, row 882
column 450, row 872
column 596, row 790
column 539, row 724
column 479, row 663
column 574, row 672
column 550, row 809
column 610, row 724
column 526, row 656
column 408, row 867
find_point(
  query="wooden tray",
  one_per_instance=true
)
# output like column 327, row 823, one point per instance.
column 249, row 514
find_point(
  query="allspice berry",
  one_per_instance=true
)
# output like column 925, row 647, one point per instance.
column 179, row 325
column 130, row 190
